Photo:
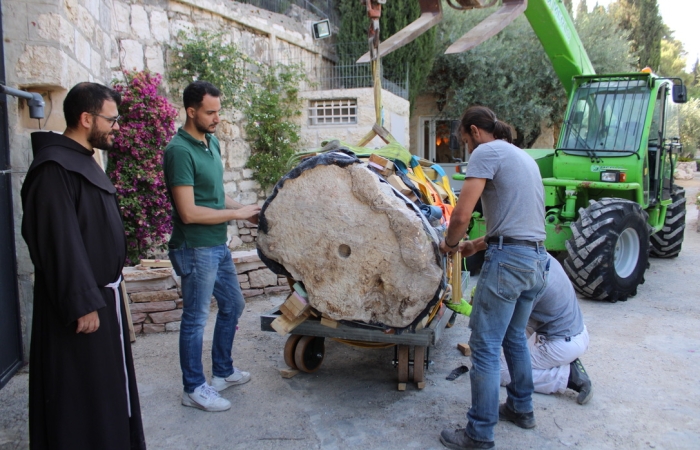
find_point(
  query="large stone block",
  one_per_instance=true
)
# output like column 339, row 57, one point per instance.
column 249, row 185
column 261, row 278
column 155, row 296
column 154, row 59
column 96, row 61
column 148, row 280
column 272, row 290
column 138, row 317
column 71, row 8
column 55, row 28
column 122, row 14
column 139, row 22
column 237, row 153
column 234, row 242
column 149, row 328
column 40, row 64
column 685, row 170
column 245, row 256
column 151, row 307
column 131, row 55
column 167, row 316
column 252, row 292
column 159, row 26
column 362, row 253
column 248, row 266
column 83, row 51
column 85, row 22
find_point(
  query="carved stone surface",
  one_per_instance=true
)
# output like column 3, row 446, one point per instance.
column 361, row 252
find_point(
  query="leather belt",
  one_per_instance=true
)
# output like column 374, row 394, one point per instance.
column 511, row 241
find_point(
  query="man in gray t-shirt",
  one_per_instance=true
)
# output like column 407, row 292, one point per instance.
column 557, row 338
column 513, row 196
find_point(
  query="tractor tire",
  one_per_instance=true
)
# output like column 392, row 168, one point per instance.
column 667, row 242
column 609, row 249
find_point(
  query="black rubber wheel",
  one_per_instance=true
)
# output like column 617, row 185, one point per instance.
column 667, row 242
column 609, row 249
column 309, row 353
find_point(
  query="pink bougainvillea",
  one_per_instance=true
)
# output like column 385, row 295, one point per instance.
column 135, row 164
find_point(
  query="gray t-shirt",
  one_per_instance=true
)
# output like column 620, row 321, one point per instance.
column 513, row 198
column 556, row 314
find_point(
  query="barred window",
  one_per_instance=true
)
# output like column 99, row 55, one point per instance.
column 333, row 112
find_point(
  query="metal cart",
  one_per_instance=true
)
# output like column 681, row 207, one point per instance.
column 305, row 348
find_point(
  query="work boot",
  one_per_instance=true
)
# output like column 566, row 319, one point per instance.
column 580, row 382
column 458, row 440
column 523, row 420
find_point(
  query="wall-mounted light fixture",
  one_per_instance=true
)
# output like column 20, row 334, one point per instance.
column 321, row 29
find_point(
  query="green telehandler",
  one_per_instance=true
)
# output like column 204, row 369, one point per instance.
column 610, row 199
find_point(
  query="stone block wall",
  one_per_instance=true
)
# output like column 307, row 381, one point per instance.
column 155, row 298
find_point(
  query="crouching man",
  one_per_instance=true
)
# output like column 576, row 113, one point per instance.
column 557, row 338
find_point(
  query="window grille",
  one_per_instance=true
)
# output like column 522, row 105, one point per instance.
column 333, row 112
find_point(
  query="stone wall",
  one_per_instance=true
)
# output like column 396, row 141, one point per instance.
column 155, row 298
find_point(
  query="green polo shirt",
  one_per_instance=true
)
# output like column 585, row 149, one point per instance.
column 189, row 162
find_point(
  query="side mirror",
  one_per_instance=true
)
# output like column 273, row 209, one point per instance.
column 679, row 93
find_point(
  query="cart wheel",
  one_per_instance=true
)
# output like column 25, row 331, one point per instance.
column 289, row 348
column 309, row 353
column 403, row 363
column 418, row 364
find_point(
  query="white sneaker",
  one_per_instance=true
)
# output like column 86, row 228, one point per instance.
column 236, row 378
column 206, row 398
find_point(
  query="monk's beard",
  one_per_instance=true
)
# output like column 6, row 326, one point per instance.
column 100, row 139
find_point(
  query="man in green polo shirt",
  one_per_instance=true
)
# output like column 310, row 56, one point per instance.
column 194, row 177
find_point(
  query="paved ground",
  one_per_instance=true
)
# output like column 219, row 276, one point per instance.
column 644, row 360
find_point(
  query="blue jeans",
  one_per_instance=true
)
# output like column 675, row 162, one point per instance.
column 205, row 271
column 512, row 277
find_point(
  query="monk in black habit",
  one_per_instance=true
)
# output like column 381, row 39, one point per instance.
column 82, row 387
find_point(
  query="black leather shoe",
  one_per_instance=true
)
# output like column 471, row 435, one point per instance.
column 458, row 440
column 580, row 382
column 523, row 420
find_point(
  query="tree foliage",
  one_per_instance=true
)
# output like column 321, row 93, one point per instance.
column 645, row 25
column 211, row 57
column 673, row 59
column 416, row 57
column 511, row 73
column 273, row 137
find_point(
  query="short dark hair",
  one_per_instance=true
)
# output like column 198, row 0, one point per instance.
column 194, row 93
column 482, row 117
column 87, row 97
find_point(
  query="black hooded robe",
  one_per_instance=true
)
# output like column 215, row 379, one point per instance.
column 78, row 395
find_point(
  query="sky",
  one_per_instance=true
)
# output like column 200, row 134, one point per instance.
column 679, row 16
